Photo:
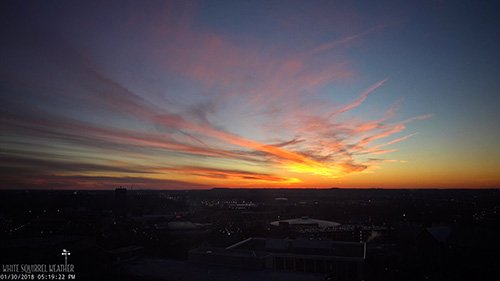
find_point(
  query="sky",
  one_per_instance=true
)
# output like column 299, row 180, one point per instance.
column 249, row 94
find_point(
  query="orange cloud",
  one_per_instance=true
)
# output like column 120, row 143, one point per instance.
column 295, row 130
column 232, row 176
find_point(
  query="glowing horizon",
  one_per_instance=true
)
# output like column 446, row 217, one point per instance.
column 202, row 95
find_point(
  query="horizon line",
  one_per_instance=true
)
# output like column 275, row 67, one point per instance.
column 259, row 188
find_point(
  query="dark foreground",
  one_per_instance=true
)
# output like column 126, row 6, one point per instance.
column 334, row 234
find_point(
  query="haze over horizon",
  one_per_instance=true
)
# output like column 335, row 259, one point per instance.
column 278, row 94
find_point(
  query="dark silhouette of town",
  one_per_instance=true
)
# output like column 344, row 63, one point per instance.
column 256, row 234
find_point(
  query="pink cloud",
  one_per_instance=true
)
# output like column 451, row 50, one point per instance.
column 359, row 100
column 280, row 87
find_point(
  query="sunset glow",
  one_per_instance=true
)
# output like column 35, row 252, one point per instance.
column 187, row 95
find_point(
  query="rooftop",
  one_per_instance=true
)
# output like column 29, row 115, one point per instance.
column 306, row 221
column 160, row 269
column 350, row 250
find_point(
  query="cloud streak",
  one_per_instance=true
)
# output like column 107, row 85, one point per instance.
column 248, row 107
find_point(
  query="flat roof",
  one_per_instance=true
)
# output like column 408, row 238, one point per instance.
column 305, row 221
column 162, row 269
column 326, row 248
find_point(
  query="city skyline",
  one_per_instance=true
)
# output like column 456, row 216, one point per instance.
column 292, row 94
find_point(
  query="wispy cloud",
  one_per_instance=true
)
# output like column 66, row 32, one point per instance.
column 232, row 175
column 359, row 100
column 343, row 41
column 237, row 105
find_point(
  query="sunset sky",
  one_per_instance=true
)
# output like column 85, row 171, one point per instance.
column 183, row 95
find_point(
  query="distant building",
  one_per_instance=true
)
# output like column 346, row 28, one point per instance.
column 124, row 254
column 305, row 222
column 309, row 227
column 121, row 194
column 182, row 228
column 121, row 205
column 339, row 260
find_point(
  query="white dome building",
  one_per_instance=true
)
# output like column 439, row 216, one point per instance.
column 306, row 222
